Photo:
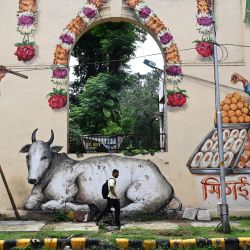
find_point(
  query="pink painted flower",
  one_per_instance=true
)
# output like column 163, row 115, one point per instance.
column 166, row 38
column 26, row 20
column 145, row 12
column 173, row 70
column 60, row 73
column 65, row 38
column 88, row 12
column 205, row 21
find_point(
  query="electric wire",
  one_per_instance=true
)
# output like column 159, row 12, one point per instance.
column 22, row 68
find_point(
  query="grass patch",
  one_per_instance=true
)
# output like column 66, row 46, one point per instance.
column 183, row 232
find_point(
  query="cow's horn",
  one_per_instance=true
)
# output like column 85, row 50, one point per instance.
column 51, row 138
column 33, row 137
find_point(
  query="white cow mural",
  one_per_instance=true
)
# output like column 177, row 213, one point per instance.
column 61, row 182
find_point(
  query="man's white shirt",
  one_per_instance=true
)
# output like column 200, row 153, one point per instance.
column 111, row 183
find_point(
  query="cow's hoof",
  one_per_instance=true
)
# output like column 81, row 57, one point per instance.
column 30, row 206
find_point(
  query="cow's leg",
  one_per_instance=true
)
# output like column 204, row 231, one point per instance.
column 145, row 196
column 36, row 198
column 60, row 193
column 61, row 204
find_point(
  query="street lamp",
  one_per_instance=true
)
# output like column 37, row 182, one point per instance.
column 152, row 65
column 223, row 207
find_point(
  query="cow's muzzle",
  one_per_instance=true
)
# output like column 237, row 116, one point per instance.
column 32, row 181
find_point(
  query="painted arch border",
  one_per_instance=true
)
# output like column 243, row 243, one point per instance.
column 87, row 16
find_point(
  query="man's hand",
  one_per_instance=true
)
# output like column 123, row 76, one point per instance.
column 238, row 78
column 3, row 71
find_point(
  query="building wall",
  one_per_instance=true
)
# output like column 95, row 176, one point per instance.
column 24, row 107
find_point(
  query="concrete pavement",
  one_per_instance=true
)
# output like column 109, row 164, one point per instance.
column 14, row 226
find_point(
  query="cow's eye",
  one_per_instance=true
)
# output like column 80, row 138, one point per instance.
column 44, row 157
column 27, row 157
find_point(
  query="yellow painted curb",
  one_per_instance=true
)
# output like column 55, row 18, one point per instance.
column 50, row 243
column 122, row 243
column 243, row 242
column 78, row 243
column 218, row 242
column 1, row 244
column 149, row 244
column 22, row 243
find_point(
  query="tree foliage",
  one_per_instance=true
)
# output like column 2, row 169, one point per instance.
column 106, row 48
column 105, row 98
column 140, row 109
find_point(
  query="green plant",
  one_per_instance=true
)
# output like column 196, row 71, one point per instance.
column 60, row 215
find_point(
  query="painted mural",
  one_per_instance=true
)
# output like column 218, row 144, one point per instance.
column 237, row 191
column 61, row 182
column 236, row 139
column 204, row 161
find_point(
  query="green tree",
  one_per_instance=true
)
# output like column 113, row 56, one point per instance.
column 106, row 48
column 140, row 109
column 103, row 53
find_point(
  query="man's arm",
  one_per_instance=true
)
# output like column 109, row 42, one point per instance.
column 238, row 78
column 112, row 190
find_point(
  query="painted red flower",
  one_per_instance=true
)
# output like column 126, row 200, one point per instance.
column 204, row 49
column 25, row 52
column 57, row 101
column 176, row 99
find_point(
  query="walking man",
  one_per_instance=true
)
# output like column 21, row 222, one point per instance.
column 112, row 200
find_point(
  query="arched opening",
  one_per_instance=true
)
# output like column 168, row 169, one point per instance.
column 114, row 108
column 91, row 15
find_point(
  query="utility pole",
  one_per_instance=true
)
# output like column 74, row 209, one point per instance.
column 223, row 206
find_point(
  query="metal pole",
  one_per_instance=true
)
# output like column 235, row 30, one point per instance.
column 9, row 194
column 223, row 207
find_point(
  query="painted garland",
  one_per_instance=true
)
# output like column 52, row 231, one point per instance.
column 87, row 15
column 204, row 25
column 26, row 21
column 176, row 97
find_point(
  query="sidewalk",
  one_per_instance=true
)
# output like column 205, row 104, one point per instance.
column 35, row 226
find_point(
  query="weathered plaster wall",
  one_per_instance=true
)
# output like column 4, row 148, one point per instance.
column 23, row 103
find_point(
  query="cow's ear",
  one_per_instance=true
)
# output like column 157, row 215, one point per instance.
column 25, row 149
column 56, row 148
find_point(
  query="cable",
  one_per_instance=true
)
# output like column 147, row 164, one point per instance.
column 48, row 66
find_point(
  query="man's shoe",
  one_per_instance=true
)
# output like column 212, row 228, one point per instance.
column 117, row 227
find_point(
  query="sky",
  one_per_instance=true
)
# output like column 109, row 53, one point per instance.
column 137, row 65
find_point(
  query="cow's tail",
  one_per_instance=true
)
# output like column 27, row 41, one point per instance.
column 179, row 203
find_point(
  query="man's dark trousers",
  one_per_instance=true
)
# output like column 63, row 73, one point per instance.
column 115, row 203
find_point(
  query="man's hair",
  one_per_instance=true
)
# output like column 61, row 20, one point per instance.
column 115, row 171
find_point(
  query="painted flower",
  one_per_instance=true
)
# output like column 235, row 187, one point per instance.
column 66, row 38
column 89, row 12
column 166, row 38
column 25, row 52
column 204, row 48
column 176, row 97
column 145, row 12
column 205, row 20
column 60, row 73
column 26, row 20
column 174, row 70
column 57, row 101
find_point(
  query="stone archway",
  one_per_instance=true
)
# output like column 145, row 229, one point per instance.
column 89, row 14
